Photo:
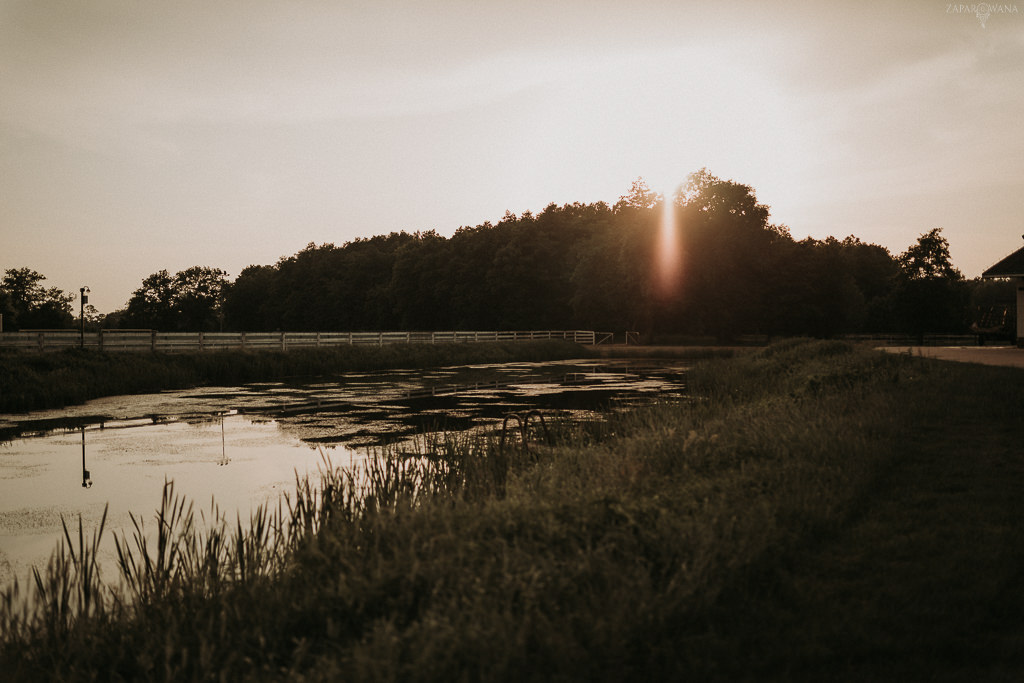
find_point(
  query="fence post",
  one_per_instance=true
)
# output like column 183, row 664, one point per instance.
column 380, row 339
column 200, row 341
column 243, row 341
column 318, row 339
column 152, row 341
column 41, row 341
column 284, row 346
column 100, row 338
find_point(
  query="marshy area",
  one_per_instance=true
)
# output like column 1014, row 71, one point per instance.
column 811, row 510
column 243, row 446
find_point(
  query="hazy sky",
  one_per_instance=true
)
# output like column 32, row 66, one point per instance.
column 140, row 135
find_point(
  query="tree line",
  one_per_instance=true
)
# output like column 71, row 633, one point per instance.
column 723, row 270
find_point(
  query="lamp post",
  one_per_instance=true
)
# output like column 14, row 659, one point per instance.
column 81, row 315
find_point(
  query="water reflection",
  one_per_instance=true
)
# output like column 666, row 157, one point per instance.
column 268, row 432
column 372, row 408
column 131, row 464
column 86, row 479
column 224, row 460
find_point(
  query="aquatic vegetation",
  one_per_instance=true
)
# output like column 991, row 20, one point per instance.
column 30, row 381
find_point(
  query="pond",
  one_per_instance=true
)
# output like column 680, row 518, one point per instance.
column 243, row 446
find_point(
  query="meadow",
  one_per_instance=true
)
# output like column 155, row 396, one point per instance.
column 816, row 511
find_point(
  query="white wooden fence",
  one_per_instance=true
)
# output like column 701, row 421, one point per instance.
column 148, row 340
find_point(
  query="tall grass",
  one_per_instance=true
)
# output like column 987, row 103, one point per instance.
column 30, row 381
column 600, row 551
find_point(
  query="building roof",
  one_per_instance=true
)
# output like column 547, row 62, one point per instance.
column 1011, row 266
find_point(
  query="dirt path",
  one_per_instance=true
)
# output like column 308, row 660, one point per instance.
column 987, row 355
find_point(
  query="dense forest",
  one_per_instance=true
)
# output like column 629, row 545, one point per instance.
column 723, row 270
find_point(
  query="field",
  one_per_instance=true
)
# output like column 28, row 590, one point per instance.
column 818, row 511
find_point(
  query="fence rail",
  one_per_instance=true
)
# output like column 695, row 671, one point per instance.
column 170, row 342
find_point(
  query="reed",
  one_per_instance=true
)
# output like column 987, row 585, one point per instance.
column 675, row 541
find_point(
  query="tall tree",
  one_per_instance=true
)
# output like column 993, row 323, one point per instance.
column 152, row 306
column 189, row 301
column 30, row 304
column 417, row 283
column 248, row 302
column 726, row 241
column 930, row 295
column 611, row 283
column 640, row 196
column 928, row 258
column 199, row 294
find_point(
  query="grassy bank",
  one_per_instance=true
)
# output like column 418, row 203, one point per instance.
column 819, row 512
column 30, row 381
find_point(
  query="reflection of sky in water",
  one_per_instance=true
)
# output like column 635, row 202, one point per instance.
column 41, row 478
column 177, row 435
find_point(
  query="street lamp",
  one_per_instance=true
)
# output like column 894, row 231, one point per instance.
column 84, row 291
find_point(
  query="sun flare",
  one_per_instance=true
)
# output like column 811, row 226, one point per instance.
column 669, row 253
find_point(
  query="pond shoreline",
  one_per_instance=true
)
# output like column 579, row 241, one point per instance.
column 235, row 442
column 818, row 514
column 663, row 351
column 392, row 391
column 33, row 381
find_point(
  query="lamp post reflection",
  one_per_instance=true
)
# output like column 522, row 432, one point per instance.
column 224, row 460
column 86, row 479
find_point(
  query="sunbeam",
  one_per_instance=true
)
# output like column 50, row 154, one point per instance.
column 669, row 252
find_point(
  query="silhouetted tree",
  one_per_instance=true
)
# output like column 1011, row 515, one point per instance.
column 115, row 320
column 248, row 300
column 151, row 306
column 364, row 291
column 640, row 196
column 929, row 258
column 190, row 300
column 27, row 304
column 417, row 288
column 467, row 278
column 591, row 265
column 199, row 293
column 530, row 276
column 930, row 296
column 828, row 287
column 613, row 262
column 726, row 241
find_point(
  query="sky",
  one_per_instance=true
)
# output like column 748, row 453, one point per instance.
column 142, row 135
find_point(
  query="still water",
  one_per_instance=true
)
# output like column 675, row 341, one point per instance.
column 244, row 446
column 234, row 460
